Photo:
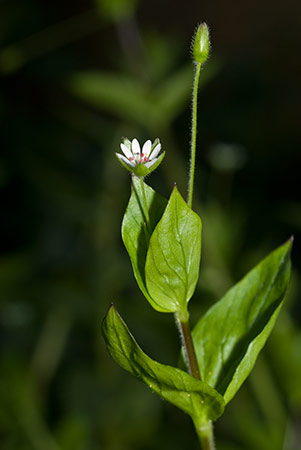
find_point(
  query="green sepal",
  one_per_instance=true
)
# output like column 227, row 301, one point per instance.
column 142, row 171
column 192, row 396
column 124, row 164
column 173, row 257
column 136, row 233
column 230, row 336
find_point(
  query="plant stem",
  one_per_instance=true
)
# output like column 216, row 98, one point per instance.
column 204, row 429
column 146, row 214
column 141, row 199
column 205, row 434
column 193, row 133
column 189, row 350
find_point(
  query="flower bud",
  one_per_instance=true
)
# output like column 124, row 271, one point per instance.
column 201, row 44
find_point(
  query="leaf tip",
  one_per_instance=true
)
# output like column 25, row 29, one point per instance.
column 290, row 242
column 174, row 190
column 110, row 308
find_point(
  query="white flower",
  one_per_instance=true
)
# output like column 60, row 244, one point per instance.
column 140, row 162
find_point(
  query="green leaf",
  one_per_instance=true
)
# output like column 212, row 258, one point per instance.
column 135, row 233
column 230, row 336
column 192, row 396
column 132, row 100
column 116, row 10
column 119, row 94
column 173, row 257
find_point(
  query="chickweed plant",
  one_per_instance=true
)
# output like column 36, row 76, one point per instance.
column 163, row 240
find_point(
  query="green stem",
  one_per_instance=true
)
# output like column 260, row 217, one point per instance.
column 204, row 429
column 141, row 200
column 146, row 215
column 205, row 434
column 189, row 350
column 194, row 132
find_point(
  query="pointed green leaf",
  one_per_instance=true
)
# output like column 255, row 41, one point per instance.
column 135, row 233
column 119, row 94
column 230, row 336
column 192, row 396
column 173, row 257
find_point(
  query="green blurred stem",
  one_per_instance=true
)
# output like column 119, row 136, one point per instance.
column 187, row 342
column 205, row 434
column 194, row 132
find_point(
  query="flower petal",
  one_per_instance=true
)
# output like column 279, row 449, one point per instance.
column 150, row 163
column 126, row 150
column 147, row 148
column 135, row 147
column 155, row 152
column 125, row 160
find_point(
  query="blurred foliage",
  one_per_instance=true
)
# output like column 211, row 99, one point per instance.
column 75, row 78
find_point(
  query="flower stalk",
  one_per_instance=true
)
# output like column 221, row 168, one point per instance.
column 193, row 133
column 200, row 53
column 146, row 214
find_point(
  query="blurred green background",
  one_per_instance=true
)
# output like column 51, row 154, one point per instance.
column 75, row 78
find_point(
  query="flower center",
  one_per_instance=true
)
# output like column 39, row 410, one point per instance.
column 139, row 159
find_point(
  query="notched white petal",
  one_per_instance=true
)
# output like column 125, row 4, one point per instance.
column 155, row 152
column 147, row 148
column 150, row 163
column 126, row 150
column 135, row 147
column 125, row 160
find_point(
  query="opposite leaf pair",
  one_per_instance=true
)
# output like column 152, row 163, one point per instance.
column 163, row 240
column 165, row 256
column 227, row 339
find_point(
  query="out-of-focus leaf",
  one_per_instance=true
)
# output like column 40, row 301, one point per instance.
column 131, row 100
column 116, row 9
column 136, row 234
column 230, row 336
column 173, row 94
column 284, row 351
column 193, row 396
column 173, row 257
column 72, row 433
column 116, row 93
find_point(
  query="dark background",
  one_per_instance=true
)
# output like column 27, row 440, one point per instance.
column 75, row 78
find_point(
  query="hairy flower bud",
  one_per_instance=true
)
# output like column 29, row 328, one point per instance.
column 201, row 44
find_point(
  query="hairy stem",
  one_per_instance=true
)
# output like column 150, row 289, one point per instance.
column 193, row 133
